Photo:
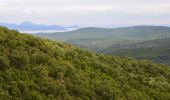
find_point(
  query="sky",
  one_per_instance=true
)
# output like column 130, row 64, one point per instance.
column 98, row 13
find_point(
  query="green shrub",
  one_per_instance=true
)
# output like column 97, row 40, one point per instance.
column 4, row 62
column 19, row 59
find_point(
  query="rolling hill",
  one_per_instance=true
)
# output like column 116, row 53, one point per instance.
column 97, row 39
column 32, row 68
column 157, row 50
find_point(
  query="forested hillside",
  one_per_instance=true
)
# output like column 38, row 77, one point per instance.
column 32, row 68
column 157, row 50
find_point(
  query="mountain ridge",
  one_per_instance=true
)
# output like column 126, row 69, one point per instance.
column 97, row 39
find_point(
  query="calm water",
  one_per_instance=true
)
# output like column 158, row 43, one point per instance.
column 48, row 31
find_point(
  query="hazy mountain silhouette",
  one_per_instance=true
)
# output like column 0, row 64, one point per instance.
column 29, row 26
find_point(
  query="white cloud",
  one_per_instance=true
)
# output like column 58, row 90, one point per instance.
column 84, row 12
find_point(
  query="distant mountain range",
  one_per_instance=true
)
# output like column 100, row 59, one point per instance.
column 141, row 42
column 98, row 39
column 29, row 26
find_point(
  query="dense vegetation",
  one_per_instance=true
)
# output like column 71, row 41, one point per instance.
column 157, row 50
column 36, row 69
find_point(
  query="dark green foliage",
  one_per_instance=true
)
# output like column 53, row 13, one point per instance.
column 19, row 58
column 37, row 69
column 4, row 62
column 157, row 50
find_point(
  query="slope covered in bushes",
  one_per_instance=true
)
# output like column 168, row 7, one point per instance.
column 36, row 69
column 157, row 50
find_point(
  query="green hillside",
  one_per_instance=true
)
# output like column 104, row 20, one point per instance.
column 97, row 39
column 157, row 50
column 37, row 69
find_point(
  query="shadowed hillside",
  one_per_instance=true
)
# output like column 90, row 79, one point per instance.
column 157, row 50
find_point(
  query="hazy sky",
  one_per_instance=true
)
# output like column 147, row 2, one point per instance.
column 101, row 13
